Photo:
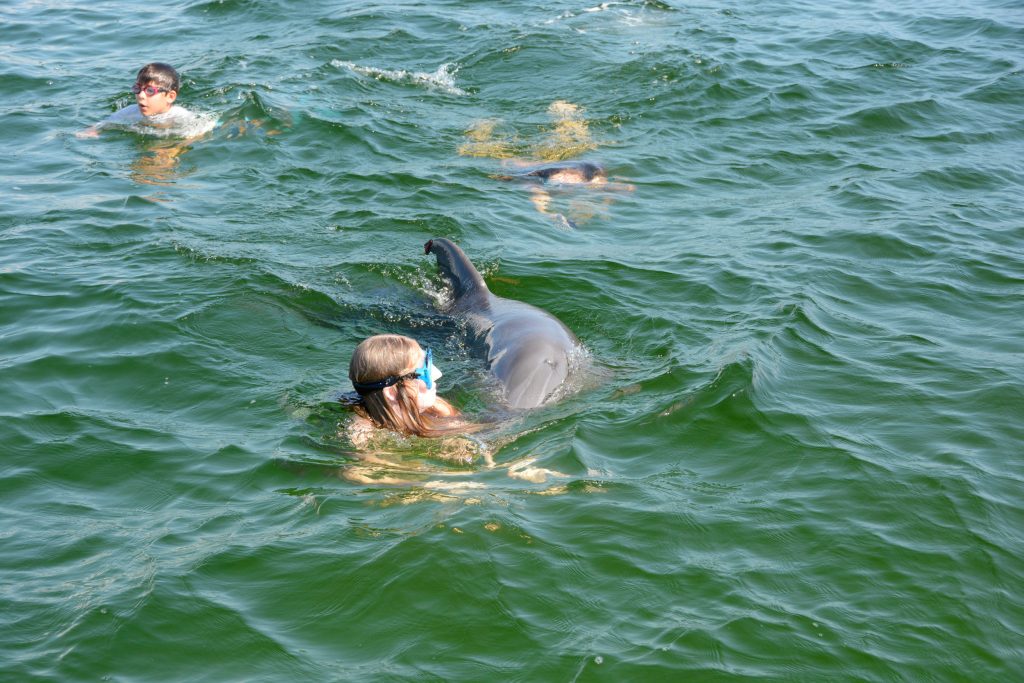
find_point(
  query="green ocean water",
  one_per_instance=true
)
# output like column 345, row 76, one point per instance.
column 796, row 455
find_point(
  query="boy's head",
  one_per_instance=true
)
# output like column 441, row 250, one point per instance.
column 156, row 88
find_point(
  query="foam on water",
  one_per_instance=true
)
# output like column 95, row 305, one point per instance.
column 197, row 126
column 443, row 78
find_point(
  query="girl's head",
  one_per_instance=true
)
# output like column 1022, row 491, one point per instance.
column 395, row 379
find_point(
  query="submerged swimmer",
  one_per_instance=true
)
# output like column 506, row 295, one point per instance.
column 545, row 165
column 544, row 178
column 563, row 173
column 568, row 137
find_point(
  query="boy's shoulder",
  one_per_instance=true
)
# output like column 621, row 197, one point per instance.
column 176, row 113
column 129, row 114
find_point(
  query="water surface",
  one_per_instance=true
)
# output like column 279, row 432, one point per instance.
column 798, row 458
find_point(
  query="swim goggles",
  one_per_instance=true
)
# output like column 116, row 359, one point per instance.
column 150, row 90
column 427, row 372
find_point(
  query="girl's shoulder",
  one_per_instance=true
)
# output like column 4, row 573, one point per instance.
column 360, row 430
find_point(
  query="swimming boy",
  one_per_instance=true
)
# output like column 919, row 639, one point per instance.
column 156, row 89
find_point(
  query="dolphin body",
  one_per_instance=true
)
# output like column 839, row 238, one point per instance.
column 528, row 349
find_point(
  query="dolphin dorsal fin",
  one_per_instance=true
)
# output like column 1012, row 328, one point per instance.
column 453, row 263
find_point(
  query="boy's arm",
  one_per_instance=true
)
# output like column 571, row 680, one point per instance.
column 93, row 131
column 121, row 116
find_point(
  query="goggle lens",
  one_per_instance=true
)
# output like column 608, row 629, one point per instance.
column 150, row 90
column 428, row 372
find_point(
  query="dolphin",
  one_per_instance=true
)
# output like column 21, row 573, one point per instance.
column 528, row 349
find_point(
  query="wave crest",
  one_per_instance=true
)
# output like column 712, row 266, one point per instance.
column 443, row 78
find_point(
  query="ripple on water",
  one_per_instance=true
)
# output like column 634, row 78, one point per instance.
column 796, row 456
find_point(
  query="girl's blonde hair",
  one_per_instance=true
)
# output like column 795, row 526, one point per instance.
column 389, row 356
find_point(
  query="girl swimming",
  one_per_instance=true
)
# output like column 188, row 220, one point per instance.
column 397, row 385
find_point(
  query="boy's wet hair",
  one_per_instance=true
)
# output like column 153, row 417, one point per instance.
column 162, row 74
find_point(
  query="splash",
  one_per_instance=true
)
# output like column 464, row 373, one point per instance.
column 442, row 79
column 195, row 125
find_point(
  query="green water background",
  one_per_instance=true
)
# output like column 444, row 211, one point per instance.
column 800, row 454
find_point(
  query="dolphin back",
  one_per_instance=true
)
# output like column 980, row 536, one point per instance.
column 456, row 267
column 531, row 363
column 528, row 349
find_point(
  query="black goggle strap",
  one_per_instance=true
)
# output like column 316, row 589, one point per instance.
column 368, row 387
